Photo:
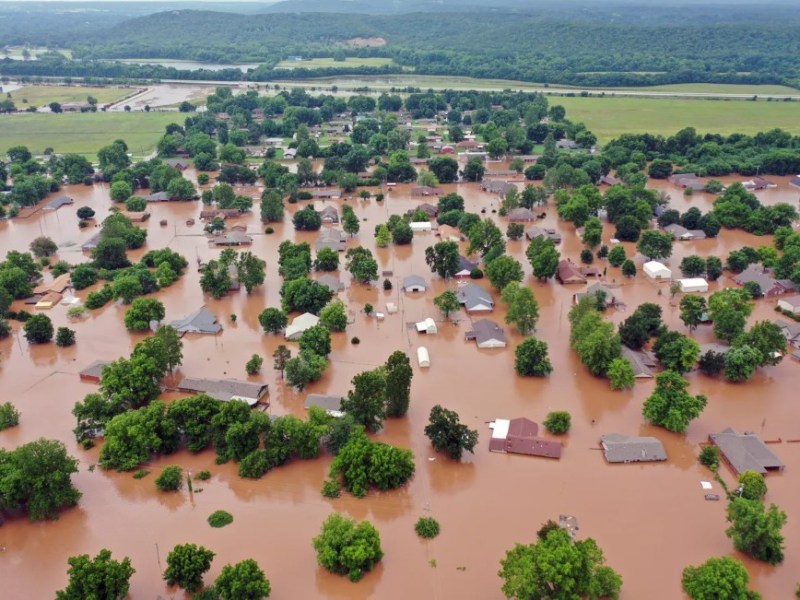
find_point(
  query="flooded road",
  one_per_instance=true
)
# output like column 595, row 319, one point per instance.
column 650, row 520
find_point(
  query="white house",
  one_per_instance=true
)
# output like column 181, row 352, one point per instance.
column 693, row 284
column 423, row 358
column 655, row 270
column 299, row 325
column 427, row 326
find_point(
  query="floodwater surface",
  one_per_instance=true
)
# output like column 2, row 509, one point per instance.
column 651, row 520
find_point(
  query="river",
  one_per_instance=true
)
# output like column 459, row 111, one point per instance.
column 651, row 520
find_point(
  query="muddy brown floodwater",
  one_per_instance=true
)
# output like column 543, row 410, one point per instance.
column 651, row 520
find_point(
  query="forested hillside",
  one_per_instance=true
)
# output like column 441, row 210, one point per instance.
column 570, row 43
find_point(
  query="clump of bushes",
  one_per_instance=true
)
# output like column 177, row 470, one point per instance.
column 171, row 479
column 427, row 527
column 709, row 457
column 558, row 422
column 9, row 416
column 220, row 518
column 141, row 474
column 203, row 475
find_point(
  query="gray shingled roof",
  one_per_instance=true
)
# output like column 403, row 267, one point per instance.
column 745, row 451
column 200, row 321
column 224, row 389
column 473, row 295
column 620, row 448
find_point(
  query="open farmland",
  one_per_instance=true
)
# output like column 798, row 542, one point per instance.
column 41, row 95
column 84, row 133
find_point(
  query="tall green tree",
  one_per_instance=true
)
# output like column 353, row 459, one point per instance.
column 366, row 402
column 243, row 581
column 443, row 258
column 693, row 309
column 718, row 578
column 670, row 405
column 346, row 548
column 447, row 434
column 531, row 358
column 543, row 257
column 398, row 383
column 504, row 270
column 756, row 530
column 98, row 578
column 523, row 310
column 186, row 564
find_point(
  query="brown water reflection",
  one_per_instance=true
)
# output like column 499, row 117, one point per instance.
column 485, row 505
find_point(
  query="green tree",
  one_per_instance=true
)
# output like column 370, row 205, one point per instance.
column 171, row 479
column 503, row 271
column 141, row 312
column 9, row 416
column 307, row 219
column 752, row 485
column 741, row 362
column 366, row 402
column 243, row 581
column 447, row 302
column 718, row 579
column 271, row 206
column 186, row 564
column 37, row 478
column 361, row 264
column 670, row 405
column 251, row 270
column 620, row 374
column 402, row 234
column 729, row 309
column 523, row 310
column 281, row 356
column 766, row 337
column 543, row 257
column 38, row 329
column 629, row 268
column 398, row 383
column 593, row 232
column 383, row 236
column 474, row 170
column 558, row 422
column 515, row 231
column 126, row 288
column 617, row 256
column 65, row 337
column 316, row 339
column 43, row 246
column 443, row 258
column 483, row 236
column 327, row 260
column 304, row 368
column 693, row 309
column 713, row 268
column 448, row 434
column 655, row 244
column 756, row 530
column 334, row 316
column 558, row 567
column 273, row 320
column 98, row 578
column 253, row 365
column 693, row 266
column 121, row 191
column 531, row 359
column 676, row 351
column 346, row 548
column 350, row 222
column 111, row 253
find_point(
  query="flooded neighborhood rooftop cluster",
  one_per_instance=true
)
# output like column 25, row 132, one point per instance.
column 452, row 317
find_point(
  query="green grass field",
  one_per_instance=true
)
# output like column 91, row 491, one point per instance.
column 84, row 133
column 42, row 95
column 610, row 117
column 327, row 63
column 714, row 88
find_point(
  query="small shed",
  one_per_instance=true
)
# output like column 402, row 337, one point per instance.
column 693, row 284
column 414, row 283
column 427, row 326
column 421, row 226
column 423, row 358
column 655, row 270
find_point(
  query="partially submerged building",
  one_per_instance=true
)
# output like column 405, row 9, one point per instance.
column 487, row 334
column 225, row 389
column 745, row 452
column 94, row 372
column 620, row 448
column 200, row 321
column 568, row 272
column 332, row 405
column 414, row 283
column 521, row 436
column 642, row 361
column 299, row 325
column 474, row 298
column 331, row 238
column 465, row 267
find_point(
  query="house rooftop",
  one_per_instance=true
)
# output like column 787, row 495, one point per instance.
column 225, row 389
column 486, row 330
column 331, row 404
column 620, row 448
column 745, row 452
column 200, row 321
column 520, row 436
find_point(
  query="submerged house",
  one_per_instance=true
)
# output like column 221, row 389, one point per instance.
column 329, row 214
column 487, row 334
column 235, row 237
column 620, row 448
column 332, row 405
column 568, row 272
column 332, row 238
column 474, row 298
column 225, row 389
column 414, row 283
column 642, row 362
column 519, row 215
column 465, row 267
column 763, row 277
column 94, row 372
column 551, row 234
column 599, row 291
column 679, row 232
column 331, row 282
column 520, row 436
column 745, row 452
column 299, row 325
column 200, row 321
column 58, row 202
